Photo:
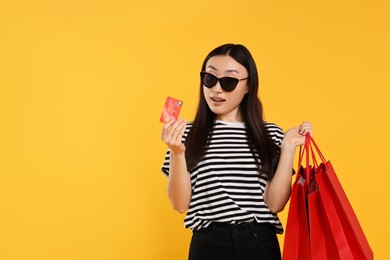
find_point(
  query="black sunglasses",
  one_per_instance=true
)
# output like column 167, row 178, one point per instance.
column 227, row 83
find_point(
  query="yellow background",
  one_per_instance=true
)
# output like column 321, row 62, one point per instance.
column 82, row 85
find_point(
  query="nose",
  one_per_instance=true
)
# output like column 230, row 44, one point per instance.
column 217, row 87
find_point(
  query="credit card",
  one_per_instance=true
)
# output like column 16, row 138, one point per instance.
column 171, row 109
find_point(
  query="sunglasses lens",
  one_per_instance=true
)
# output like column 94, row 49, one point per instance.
column 228, row 84
column 209, row 80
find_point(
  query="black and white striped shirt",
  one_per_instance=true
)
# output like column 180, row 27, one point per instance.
column 226, row 184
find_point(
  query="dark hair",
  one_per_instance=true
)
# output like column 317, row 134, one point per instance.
column 262, row 147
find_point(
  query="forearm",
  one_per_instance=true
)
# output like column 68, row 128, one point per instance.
column 179, row 183
column 279, row 188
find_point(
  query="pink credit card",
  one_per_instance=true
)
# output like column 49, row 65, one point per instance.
column 171, row 109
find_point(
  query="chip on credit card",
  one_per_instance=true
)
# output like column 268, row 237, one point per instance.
column 171, row 109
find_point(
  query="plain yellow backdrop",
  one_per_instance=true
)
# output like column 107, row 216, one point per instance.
column 82, row 86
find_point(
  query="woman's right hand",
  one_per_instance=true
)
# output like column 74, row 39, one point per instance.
column 172, row 134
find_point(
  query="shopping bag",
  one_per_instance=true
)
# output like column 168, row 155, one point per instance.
column 296, row 242
column 322, row 244
column 345, row 231
column 334, row 230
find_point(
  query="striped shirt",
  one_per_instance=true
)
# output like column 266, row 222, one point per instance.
column 226, row 184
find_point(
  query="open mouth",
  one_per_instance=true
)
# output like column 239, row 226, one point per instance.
column 217, row 99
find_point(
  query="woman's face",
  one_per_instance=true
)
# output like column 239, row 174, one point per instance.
column 226, row 105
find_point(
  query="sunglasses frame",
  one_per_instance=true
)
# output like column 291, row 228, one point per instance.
column 203, row 73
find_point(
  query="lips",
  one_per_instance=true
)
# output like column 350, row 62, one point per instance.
column 217, row 99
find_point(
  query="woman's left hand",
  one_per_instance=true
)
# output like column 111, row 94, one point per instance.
column 296, row 135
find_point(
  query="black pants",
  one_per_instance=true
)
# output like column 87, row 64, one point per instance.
column 220, row 241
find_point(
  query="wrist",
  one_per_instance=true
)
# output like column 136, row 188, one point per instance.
column 288, row 147
column 177, row 153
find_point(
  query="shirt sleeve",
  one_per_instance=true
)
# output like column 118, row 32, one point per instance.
column 165, row 167
column 276, row 133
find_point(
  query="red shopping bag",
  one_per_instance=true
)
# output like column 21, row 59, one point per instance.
column 345, row 230
column 334, row 230
column 296, row 242
column 322, row 246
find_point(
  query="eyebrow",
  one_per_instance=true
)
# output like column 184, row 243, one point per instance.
column 213, row 68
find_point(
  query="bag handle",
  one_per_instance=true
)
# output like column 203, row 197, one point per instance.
column 313, row 143
column 308, row 168
column 300, row 159
column 314, row 159
column 304, row 152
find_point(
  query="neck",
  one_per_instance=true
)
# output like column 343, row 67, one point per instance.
column 232, row 117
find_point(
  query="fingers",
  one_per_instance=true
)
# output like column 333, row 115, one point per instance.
column 305, row 128
column 166, row 128
column 173, row 131
column 178, row 131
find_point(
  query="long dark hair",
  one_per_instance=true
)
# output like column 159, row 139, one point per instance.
column 265, row 151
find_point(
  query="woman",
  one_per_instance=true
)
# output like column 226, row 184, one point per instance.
column 230, row 170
